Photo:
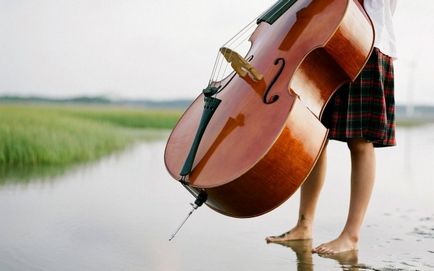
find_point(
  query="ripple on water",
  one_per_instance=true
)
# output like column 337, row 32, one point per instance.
column 423, row 230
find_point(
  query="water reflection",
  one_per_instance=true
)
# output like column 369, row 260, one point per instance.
column 27, row 174
column 303, row 252
column 118, row 212
column 45, row 173
column 348, row 261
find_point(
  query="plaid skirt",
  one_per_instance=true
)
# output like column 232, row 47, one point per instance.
column 365, row 108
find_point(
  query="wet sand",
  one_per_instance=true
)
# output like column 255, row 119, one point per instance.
column 118, row 213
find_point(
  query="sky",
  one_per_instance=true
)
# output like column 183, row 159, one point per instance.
column 143, row 49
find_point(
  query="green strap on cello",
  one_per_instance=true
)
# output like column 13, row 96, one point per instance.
column 273, row 13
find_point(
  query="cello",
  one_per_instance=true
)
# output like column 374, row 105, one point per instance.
column 249, row 140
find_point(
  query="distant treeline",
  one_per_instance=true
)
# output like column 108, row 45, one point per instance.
column 170, row 104
column 402, row 111
column 426, row 111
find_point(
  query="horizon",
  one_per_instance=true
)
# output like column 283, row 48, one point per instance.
column 157, row 100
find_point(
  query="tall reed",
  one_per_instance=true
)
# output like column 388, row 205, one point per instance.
column 49, row 135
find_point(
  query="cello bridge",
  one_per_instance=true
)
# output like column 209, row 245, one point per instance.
column 240, row 65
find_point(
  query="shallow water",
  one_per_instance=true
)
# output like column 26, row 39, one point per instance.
column 118, row 213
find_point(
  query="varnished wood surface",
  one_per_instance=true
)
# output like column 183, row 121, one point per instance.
column 277, row 175
column 253, row 155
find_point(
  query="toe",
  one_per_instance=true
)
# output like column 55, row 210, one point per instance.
column 277, row 238
column 318, row 249
column 328, row 251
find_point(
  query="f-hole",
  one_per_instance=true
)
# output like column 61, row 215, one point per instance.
column 274, row 98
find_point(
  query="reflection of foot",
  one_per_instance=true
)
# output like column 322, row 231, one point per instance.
column 303, row 252
column 300, row 247
column 347, row 259
column 344, row 258
column 339, row 245
column 297, row 233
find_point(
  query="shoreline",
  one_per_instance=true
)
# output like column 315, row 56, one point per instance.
column 33, row 137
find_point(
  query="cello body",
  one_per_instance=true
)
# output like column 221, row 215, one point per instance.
column 266, row 135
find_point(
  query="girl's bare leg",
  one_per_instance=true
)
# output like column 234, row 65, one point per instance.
column 309, row 195
column 362, row 183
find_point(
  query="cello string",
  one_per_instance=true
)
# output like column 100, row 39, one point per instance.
column 219, row 62
column 254, row 20
column 235, row 38
column 219, row 68
column 244, row 39
column 239, row 32
column 240, row 38
column 214, row 69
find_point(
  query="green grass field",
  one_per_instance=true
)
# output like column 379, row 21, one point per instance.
column 42, row 140
column 46, row 135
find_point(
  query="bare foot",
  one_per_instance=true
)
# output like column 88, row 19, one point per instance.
column 297, row 233
column 341, row 244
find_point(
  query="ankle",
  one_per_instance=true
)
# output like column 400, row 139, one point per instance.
column 304, row 226
column 304, row 223
column 352, row 237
